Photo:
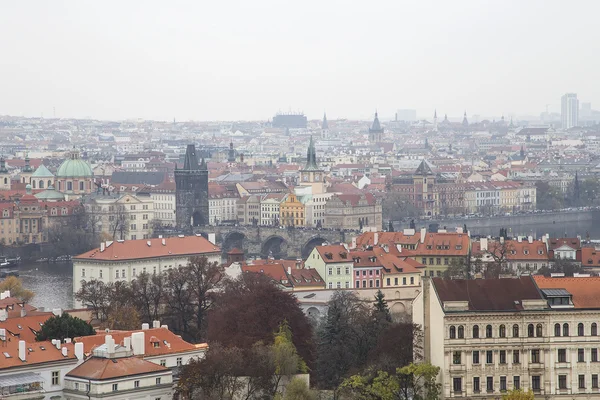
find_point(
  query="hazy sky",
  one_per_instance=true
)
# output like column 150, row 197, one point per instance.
column 247, row 59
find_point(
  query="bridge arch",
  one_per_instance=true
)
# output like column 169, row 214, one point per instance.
column 232, row 240
column 311, row 244
column 275, row 246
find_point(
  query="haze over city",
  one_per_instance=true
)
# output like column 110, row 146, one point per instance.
column 238, row 60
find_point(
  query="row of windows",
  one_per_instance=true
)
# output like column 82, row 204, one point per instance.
column 338, row 285
column 388, row 281
column 535, row 356
column 364, row 283
column 338, row 270
column 532, row 331
column 457, row 383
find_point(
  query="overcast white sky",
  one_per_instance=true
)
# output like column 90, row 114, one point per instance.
column 230, row 60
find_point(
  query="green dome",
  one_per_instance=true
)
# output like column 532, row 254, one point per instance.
column 74, row 167
column 50, row 195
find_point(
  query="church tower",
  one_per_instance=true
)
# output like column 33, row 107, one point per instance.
column 312, row 174
column 191, row 191
column 375, row 131
column 325, row 127
column 435, row 123
column 4, row 175
column 231, row 153
column 465, row 122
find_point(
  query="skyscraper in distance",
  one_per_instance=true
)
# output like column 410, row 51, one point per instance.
column 569, row 110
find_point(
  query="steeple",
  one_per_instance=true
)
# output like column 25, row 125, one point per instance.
column 324, row 125
column 376, row 127
column 435, row 122
column 375, row 131
column 511, row 123
column 27, row 167
column 465, row 122
column 3, row 169
column 191, row 160
column 311, row 157
column 522, row 151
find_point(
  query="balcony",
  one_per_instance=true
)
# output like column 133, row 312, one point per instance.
column 21, row 386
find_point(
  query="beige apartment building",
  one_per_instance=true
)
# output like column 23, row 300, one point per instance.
column 353, row 211
column 489, row 336
column 122, row 217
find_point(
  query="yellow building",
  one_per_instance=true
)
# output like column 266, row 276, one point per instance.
column 291, row 211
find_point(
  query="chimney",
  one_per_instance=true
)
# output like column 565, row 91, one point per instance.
column 375, row 238
column 155, row 324
column 459, row 229
column 423, row 233
column 149, row 243
column 64, row 351
column 23, row 311
column 145, row 326
column 165, row 326
column 289, row 270
column 79, row 351
column 127, row 343
column 160, row 236
column 102, row 244
column 3, row 314
column 57, row 344
column 353, row 243
column 519, row 239
column 138, row 343
column 212, row 238
column 483, row 242
column 2, row 334
column 164, row 241
column 530, row 239
column 22, row 350
column 501, row 239
column 67, row 340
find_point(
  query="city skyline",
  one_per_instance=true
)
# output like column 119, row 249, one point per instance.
column 236, row 62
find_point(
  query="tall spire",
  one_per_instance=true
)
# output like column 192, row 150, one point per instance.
column 465, row 122
column 325, row 125
column 3, row 169
column 311, row 157
column 435, row 113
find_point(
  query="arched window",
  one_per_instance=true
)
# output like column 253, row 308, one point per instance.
column 594, row 330
column 59, row 185
column 41, row 184
column 69, row 186
column 461, row 332
column 452, row 332
column 33, row 184
column 475, row 331
column 80, row 185
column 515, row 330
column 565, row 329
column 538, row 330
column 49, row 183
column 530, row 331
column 580, row 329
column 502, row 331
column 488, row 331
column 556, row 329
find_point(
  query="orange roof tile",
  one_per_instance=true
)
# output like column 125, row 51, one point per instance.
column 136, row 249
column 98, row 368
column 36, row 353
column 25, row 328
column 585, row 290
column 175, row 343
column 334, row 253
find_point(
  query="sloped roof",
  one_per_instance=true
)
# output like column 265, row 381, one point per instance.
column 583, row 289
column 488, row 294
column 138, row 249
column 98, row 368
column 42, row 172
column 424, row 169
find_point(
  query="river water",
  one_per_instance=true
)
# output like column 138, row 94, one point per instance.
column 51, row 283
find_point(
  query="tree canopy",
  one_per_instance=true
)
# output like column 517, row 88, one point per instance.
column 15, row 286
column 64, row 326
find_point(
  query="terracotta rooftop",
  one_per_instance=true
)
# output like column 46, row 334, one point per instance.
column 25, row 328
column 334, row 253
column 152, row 248
column 36, row 353
column 488, row 294
column 154, row 341
column 585, row 290
column 98, row 368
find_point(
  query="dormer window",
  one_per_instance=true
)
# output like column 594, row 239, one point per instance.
column 540, row 252
column 458, row 247
column 525, row 251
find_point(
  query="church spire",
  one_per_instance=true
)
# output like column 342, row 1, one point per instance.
column 465, row 122
column 325, row 124
column 311, row 157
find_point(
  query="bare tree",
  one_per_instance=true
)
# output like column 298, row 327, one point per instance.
column 119, row 222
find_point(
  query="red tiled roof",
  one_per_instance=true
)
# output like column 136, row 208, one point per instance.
column 99, row 368
column 274, row 271
column 136, row 249
column 590, row 254
column 175, row 343
column 574, row 243
column 25, row 328
column 334, row 253
column 583, row 289
column 41, row 352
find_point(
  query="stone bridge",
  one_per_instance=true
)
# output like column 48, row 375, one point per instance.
column 260, row 241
